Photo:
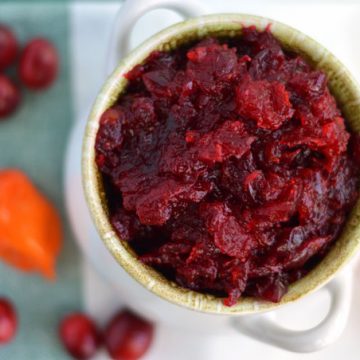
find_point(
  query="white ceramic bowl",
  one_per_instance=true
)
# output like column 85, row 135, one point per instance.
column 346, row 92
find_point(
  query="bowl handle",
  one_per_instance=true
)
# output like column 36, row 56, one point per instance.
column 264, row 328
column 130, row 12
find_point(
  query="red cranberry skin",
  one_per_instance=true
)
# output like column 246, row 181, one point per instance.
column 9, row 96
column 8, row 321
column 39, row 64
column 8, row 47
column 128, row 337
column 79, row 336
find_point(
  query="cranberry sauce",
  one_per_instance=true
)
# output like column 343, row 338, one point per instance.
column 228, row 166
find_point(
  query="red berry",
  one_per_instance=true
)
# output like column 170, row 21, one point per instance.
column 8, row 321
column 79, row 335
column 128, row 337
column 8, row 47
column 39, row 64
column 9, row 96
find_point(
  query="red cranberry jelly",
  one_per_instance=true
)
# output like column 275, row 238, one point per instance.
column 227, row 166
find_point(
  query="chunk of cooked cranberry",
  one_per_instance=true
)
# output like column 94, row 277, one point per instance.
column 143, row 112
column 271, row 288
column 267, row 103
column 234, row 280
column 231, row 139
column 188, row 165
column 110, row 135
column 126, row 225
column 229, row 235
column 209, row 62
column 335, row 135
column 110, row 138
column 324, row 107
column 253, row 183
column 309, row 84
column 267, row 64
column 232, row 175
column 157, row 82
column 259, row 40
column 155, row 207
column 343, row 192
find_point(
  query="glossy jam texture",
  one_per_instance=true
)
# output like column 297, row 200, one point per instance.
column 228, row 166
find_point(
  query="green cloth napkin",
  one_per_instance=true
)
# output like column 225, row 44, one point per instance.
column 34, row 140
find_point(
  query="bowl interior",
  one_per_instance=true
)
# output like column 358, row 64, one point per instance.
column 342, row 86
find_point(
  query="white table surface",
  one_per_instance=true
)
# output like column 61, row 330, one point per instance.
column 336, row 26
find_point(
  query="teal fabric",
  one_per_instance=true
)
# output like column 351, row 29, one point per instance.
column 34, row 140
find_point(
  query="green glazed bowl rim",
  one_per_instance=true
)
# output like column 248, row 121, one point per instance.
column 343, row 87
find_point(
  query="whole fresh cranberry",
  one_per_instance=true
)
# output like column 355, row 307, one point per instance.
column 128, row 337
column 8, row 47
column 39, row 64
column 9, row 96
column 79, row 335
column 8, row 321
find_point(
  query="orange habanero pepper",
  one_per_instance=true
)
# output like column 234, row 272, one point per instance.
column 30, row 227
